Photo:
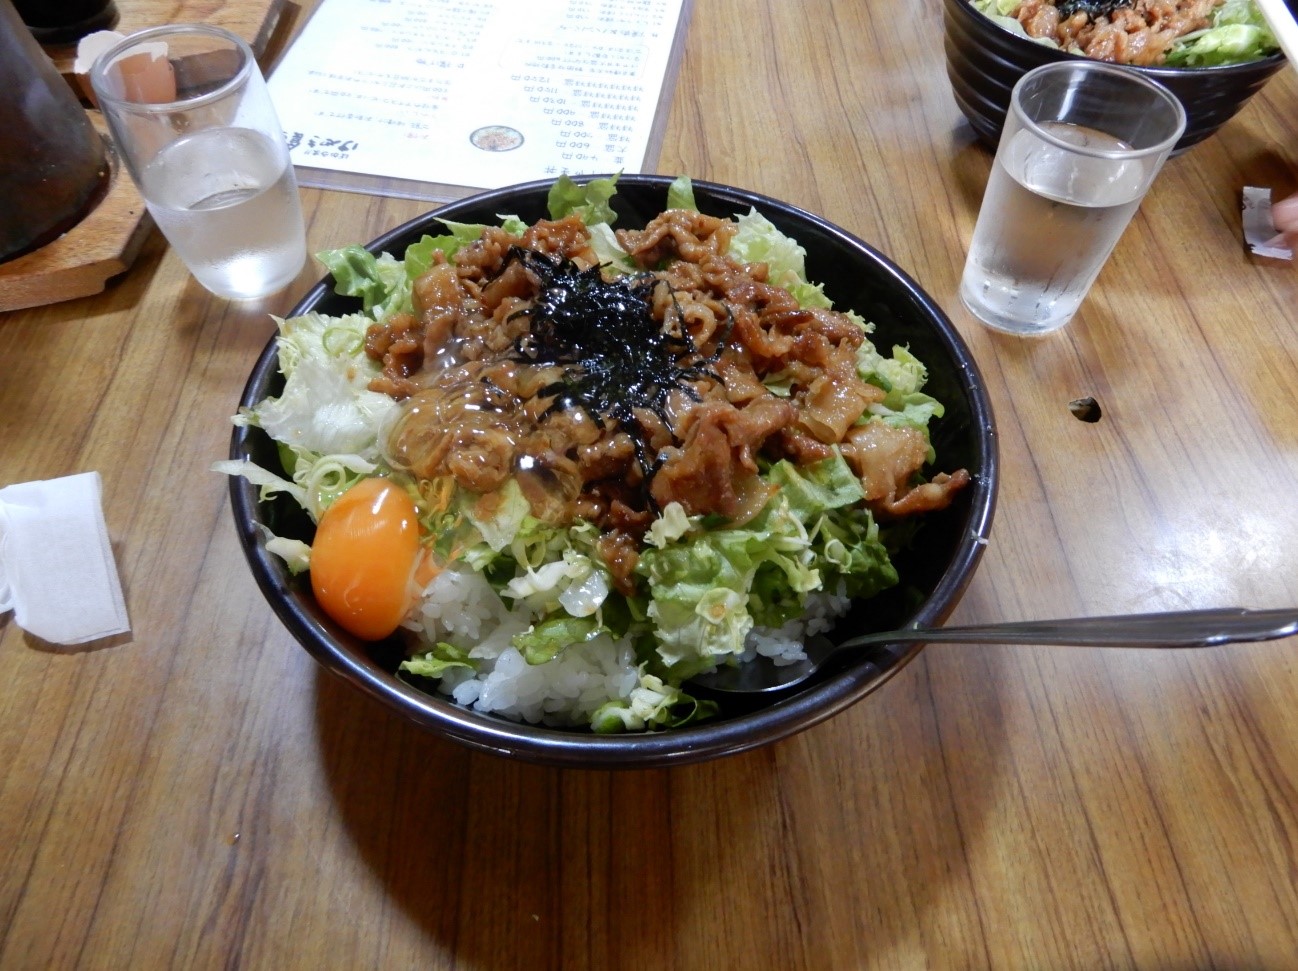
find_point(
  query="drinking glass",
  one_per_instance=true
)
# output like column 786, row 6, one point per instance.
column 193, row 121
column 1081, row 145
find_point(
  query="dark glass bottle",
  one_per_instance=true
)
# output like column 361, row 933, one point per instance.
column 66, row 21
column 53, row 167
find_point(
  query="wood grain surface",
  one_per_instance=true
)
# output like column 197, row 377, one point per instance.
column 199, row 794
column 259, row 22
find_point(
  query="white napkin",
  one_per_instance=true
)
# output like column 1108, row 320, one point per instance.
column 1259, row 231
column 57, row 572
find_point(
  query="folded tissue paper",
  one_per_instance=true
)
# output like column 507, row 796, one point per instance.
column 1259, row 231
column 57, row 572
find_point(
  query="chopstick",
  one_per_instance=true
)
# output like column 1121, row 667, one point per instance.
column 1281, row 21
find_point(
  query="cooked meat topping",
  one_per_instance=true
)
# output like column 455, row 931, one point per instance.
column 606, row 399
column 1124, row 31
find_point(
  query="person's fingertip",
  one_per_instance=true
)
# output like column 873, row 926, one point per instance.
column 1285, row 213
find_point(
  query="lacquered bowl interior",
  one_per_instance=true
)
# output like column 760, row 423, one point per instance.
column 934, row 572
column 984, row 62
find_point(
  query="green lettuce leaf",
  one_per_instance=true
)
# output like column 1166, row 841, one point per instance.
column 590, row 200
column 843, row 539
column 1239, row 33
column 547, row 640
column 759, row 241
column 609, row 251
column 829, row 484
column 421, row 255
column 653, row 704
column 326, row 406
column 499, row 516
column 851, row 553
column 384, row 283
column 1218, row 46
column 435, row 663
column 1002, row 12
column 268, row 482
column 680, row 194
column 700, row 586
column 1001, row 8
column 381, row 282
column 708, row 589
column 699, row 599
column 902, row 376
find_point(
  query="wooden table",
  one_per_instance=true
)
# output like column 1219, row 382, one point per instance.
column 199, row 794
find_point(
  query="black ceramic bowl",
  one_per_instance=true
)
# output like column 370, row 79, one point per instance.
column 984, row 61
column 934, row 572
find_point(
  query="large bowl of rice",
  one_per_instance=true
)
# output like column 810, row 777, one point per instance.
column 985, row 60
column 934, row 569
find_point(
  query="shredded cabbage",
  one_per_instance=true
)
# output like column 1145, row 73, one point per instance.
column 1239, row 33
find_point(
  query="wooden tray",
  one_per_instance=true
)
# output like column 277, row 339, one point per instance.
column 82, row 261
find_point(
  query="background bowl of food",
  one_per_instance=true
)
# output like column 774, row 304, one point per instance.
column 1214, row 56
column 566, row 633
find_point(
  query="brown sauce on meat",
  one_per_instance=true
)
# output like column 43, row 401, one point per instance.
column 607, row 400
column 1138, row 32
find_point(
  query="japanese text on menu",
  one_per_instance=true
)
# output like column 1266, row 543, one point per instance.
column 475, row 93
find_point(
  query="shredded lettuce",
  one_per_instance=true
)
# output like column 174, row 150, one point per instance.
column 1002, row 12
column 590, row 200
column 269, row 482
column 547, row 640
column 902, row 376
column 498, row 517
column 844, row 542
column 381, row 282
column 326, row 421
column 759, row 241
column 829, row 484
column 680, row 194
column 609, row 250
column 295, row 553
column 653, row 703
column 708, row 588
column 326, row 405
column 670, row 525
column 435, row 663
column 1239, row 33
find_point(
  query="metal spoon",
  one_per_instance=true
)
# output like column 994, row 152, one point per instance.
column 1187, row 628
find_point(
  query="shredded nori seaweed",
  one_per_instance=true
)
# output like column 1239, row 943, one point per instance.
column 615, row 356
column 1092, row 8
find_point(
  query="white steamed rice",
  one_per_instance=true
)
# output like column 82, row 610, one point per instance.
column 460, row 607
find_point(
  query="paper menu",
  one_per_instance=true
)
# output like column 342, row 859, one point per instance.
column 435, row 99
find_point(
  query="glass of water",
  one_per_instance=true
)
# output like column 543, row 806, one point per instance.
column 1081, row 145
column 192, row 119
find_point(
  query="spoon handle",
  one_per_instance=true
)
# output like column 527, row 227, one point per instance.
column 1185, row 628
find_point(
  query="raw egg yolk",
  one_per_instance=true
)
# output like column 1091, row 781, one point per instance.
column 364, row 556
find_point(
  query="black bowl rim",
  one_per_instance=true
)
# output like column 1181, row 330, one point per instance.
column 1271, row 61
column 557, row 747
